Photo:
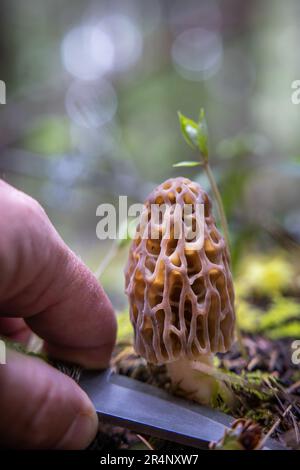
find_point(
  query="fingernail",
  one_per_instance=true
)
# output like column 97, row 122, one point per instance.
column 81, row 432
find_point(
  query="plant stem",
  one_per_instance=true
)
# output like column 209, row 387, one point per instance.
column 225, row 229
column 107, row 259
column 218, row 199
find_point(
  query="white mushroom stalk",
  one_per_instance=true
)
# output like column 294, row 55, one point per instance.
column 180, row 293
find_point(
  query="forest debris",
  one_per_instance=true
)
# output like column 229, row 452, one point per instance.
column 293, row 387
column 244, row 434
column 291, row 438
column 275, row 425
column 264, row 392
column 111, row 438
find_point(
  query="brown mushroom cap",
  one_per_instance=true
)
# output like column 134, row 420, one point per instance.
column 181, row 300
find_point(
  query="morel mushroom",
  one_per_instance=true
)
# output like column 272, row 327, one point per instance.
column 181, row 296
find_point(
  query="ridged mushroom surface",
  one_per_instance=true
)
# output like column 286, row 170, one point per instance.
column 181, row 299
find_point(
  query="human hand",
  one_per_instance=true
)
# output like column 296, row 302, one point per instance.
column 45, row 288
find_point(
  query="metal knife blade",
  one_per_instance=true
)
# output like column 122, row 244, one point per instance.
column 142, row 408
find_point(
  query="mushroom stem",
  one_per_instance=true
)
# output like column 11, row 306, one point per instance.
column 190, row 378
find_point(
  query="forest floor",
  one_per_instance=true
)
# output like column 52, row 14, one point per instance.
column 266, row 385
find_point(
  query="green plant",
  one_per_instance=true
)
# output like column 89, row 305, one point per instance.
column 196, row 135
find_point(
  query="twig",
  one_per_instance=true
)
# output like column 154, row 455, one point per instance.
column 107, row 259
column 275, row 425
column 219, row 201
column 225, row 229
column 253, row 363
column 293, row 387
column 122, row 354
column 144, row 441
column 296, row 427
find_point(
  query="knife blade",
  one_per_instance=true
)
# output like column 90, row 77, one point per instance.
column 143, row 408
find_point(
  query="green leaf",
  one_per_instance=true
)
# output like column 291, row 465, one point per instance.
column 189, row 129
column 125, row 331
column 186, row 164
column 195, row 133
column 203, row 134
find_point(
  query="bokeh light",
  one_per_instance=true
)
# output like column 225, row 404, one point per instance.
column 197, row 53
column 91, row 104
column 125, row 37
column 87, row 52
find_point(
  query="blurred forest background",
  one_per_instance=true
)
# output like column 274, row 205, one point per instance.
column 93, row 88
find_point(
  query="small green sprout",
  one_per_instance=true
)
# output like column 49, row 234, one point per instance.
column 196, row 135
column 186, row 164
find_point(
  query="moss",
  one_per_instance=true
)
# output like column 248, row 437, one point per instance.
column 253, row 384
column 280, row 320
column 264, row 275
column 244, row 394
column 282, row 309
column 125, row 331
column 295, row 376
column 290, row 330
column 248, row 316
column 261, row 415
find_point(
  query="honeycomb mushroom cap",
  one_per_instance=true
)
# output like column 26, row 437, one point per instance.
column 181, row 300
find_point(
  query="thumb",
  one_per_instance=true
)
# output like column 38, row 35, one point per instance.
column 42, row 408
